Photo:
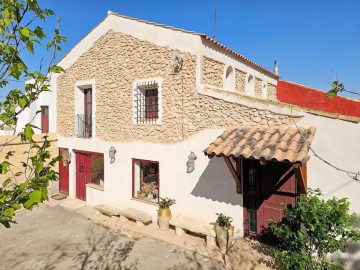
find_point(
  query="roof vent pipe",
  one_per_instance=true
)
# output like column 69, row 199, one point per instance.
column 276, row 67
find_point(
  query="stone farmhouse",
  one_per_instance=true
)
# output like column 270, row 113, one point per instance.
column 145, row 110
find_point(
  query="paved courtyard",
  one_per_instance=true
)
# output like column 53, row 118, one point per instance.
column 56, row 238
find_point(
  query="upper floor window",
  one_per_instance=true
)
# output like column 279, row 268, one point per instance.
column 45, row 119
column 85, row 108
column 147, row 102
column 229, row 78
column 264, row 90
column 84, row 119
column 250, row 85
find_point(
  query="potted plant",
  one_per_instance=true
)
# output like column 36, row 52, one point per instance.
column 164, row 213
column 224, row 232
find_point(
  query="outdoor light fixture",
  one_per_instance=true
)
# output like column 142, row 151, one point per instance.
column 191, row 163
column 112, row 152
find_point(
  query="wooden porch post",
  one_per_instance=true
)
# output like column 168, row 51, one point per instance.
column 236, row 173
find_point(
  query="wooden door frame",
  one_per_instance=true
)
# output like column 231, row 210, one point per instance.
column 66, row 192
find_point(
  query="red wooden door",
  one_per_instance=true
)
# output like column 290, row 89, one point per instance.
column 44, row 119
column 276, row 186
column 83, row 174
column 64, row 171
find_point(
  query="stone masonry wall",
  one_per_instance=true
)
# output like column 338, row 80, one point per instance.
column 240, row 81
column 212, row 72
column 116, row 60
column 258, row 87
column 271, row 91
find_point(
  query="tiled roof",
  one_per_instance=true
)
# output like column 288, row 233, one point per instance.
column 285, row 144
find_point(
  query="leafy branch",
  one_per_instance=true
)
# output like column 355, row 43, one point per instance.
column 20, row 34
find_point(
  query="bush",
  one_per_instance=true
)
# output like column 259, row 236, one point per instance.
column 312, row 230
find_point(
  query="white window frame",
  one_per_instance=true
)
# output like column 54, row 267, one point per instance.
column 158, row 81
column 79, row 101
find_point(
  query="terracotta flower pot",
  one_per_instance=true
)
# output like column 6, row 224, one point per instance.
column 224, row 237
column 163, row 218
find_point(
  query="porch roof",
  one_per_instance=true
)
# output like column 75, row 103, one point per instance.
column 284, row 144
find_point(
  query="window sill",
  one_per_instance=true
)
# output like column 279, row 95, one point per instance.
column 95, row 186
column 145, row 201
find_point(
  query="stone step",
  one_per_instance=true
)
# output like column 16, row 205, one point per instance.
column 107, row 210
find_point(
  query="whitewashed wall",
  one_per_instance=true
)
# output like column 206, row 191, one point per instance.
column 208, row 190
column 45, row 99
column 338, row 142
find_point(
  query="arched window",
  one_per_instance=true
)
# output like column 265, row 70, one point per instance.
column 264, row 90
column 250, row 85
column 229, row 78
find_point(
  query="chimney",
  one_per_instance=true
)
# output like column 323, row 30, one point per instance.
column 276, row 67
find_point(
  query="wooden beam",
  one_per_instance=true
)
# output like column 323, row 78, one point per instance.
column 236, row 174
column 301, row 177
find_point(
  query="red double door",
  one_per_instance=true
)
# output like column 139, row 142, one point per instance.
column 83, row 174
column 266, row 188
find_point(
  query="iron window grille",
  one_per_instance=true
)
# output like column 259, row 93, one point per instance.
column 146, row 99
column 83, row 125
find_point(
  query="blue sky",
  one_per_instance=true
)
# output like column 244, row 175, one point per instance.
column 312, row 40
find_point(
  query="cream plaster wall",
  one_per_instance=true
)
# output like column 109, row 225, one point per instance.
column 210, row 189
column 337, row 142
column 29, row 115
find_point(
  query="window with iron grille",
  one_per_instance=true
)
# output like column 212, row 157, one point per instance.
column 146, row 102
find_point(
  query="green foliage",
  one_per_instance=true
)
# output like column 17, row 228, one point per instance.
column 336, row 88
column 223, row 221
column 20, row 34
column 166, row 203
column 312, row 230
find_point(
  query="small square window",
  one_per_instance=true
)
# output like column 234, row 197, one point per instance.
column 97, row 170
column 146, row 180
column 146, row 102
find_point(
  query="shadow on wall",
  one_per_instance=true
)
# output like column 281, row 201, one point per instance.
column 217, row 184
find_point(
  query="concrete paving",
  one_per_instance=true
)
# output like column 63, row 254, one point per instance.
column 68, row 234
column 57, row 238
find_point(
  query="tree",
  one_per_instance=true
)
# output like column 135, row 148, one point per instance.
column 313, row 229
column 20, row 35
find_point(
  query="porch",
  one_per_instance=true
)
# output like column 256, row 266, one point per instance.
column 268, row 166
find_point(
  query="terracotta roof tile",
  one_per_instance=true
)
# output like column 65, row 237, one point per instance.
column 285, row 144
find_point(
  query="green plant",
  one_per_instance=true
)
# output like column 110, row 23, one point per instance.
column 223, row 221
column 312, row 230
column 166, row 202
column 21, row 33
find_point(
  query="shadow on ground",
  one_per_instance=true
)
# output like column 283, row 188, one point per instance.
column 97, row 251
column 248, row 254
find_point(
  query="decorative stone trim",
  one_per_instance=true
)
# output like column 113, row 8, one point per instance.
column 240, row 80
column 212, row 72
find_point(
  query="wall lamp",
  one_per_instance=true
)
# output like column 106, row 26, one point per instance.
column 112, row 152
column 191, row 162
